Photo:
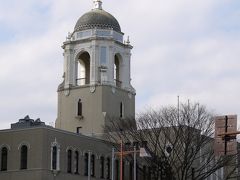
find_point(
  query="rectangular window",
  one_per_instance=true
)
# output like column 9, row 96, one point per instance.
column 131, row 170
column 24, row 155
column 103, row 57
column 108, row 168
column 102, row 167
column 54, row 158
column 117, row 170
column 79, row 108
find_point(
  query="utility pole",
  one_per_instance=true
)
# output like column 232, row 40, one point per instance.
column 135, row 163
column 113, row 159
column 123, row 153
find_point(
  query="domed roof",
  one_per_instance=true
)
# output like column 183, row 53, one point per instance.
column 97, row 18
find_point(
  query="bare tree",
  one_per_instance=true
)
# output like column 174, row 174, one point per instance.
column 179, row 140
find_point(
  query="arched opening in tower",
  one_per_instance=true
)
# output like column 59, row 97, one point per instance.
column 83, row 69
column 117, row 70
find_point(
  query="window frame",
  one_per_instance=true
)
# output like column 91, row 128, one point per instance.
column 79, row 108
column 76, row 162
column 69, row 161
column 4, row 159
column 92, row 167
column 102, row 167
column 86, row 164
column 55, row 144
column 24, row 157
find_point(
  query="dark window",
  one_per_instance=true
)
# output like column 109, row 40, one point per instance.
column 54, row 158
column 79, row 112
column 131, row 171
column 102, row 167
column 137, row 171
column 92, row 165
column 4, row 157
column 76, row 162
column 24, row 157
column 86, row 164
column 117, row 173
column 108, row 168
column 121, row 110
column 69, row 161
column 144, row 173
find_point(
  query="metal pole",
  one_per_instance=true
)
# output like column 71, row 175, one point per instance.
column 178, row 107
column 89, row 165
column 198, row 110
column 188, row 115
column 225, row 140
column 113, row 158
column 135, row 163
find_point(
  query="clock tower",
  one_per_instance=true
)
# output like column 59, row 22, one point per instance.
column 97, row 79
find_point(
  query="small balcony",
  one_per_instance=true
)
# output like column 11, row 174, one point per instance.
column 82, row 81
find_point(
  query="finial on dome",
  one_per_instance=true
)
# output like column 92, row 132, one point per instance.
column 97, row 4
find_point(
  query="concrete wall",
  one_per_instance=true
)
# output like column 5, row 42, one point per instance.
column 39, row 155
column 104, row 101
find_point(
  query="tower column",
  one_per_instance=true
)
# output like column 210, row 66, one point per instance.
column 127, row 68
column 111, row 65
column 94, row 64
column 68, row 67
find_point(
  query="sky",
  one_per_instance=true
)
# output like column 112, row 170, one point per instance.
column 181, row 48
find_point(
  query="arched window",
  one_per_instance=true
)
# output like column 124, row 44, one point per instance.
column 54, row 158
column 4, row 159
column 79, row 108
column 69, row 161
column 102, row 167
column 121, row 110
column 24, row 157
column 117, row 70
column 83, row 76
column 108, row 166
column 76, row 162
column 86, row 164
column 92, row 165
